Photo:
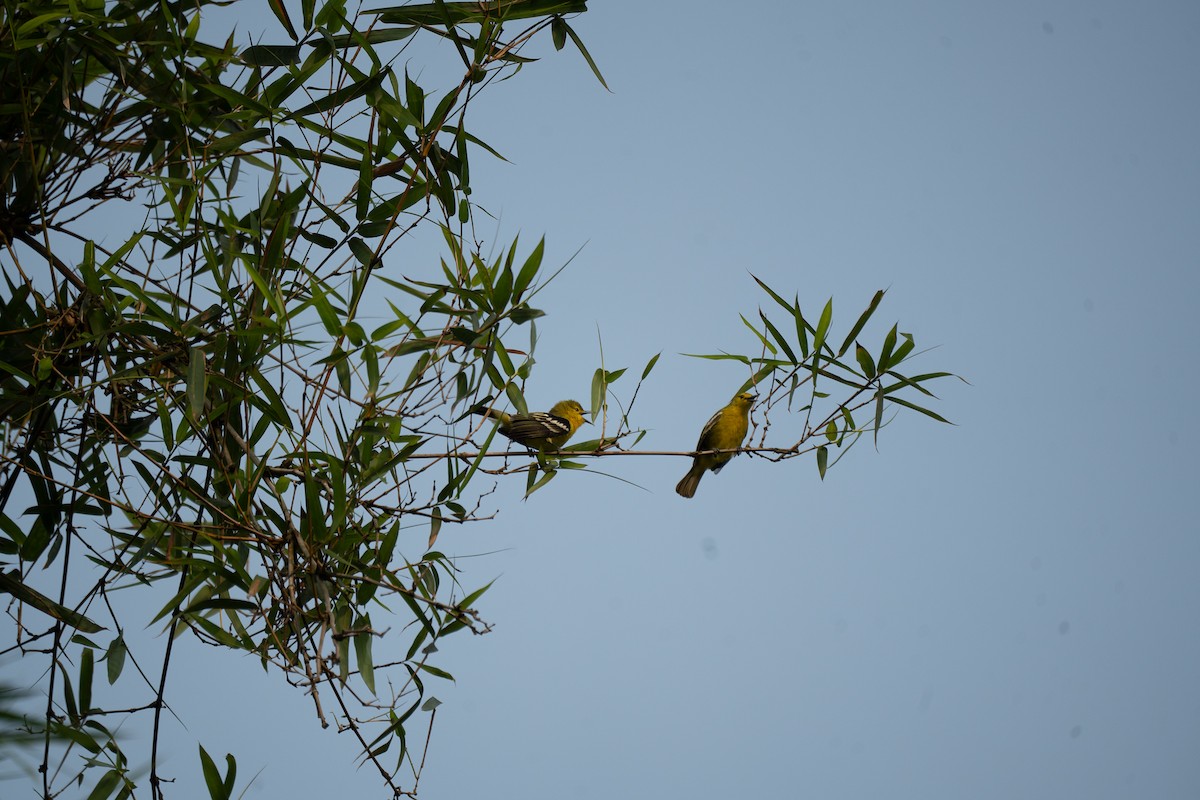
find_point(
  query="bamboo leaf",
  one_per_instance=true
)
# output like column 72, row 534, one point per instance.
column 823, row 326
column 529, row 270
column 879, row 398
column 802, row 327
column 586, row 55
column 864, row 361
column 11, row 583
column 115, row 658
column 862, row 321
column 212, row 776
column 599, row 391
column 925, row 411
column 197, row 383
column 106, row 785
column 885, row 355
column 650, row 365
column 769, row 347
column 784, row 304
column 778, row 338
column 362, row 652
column 87, row 666
column 279, row 9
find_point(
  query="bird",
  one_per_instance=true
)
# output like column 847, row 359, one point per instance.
column 544, row 431
column 725, row 431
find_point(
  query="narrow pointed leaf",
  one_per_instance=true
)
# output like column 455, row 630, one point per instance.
column 925, row 411
column 10, row 583
column 770, row 347
column 864, row 361
column 197, row 383
column 586, row 55
column 823, row 326
column 778, row 338
column 650, row 365
column 862, row 320
column 879, row 397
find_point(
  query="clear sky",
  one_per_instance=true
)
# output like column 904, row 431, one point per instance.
column 1004, row 608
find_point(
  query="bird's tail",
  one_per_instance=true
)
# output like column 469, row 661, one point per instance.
column 687, row 486
column 491, row 413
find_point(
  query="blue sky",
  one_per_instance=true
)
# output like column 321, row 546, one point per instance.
column 1003, row 608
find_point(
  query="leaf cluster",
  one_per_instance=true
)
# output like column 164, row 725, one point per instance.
column 802, row 368
column 236, row 400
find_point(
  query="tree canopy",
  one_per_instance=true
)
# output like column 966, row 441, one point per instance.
column 196, row 408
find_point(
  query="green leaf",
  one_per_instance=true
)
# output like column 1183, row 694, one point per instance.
column 529, row 270
column 475, row 11
column 778, row 337
column 831, row 431
column 769, row 347
column 885, row 355
column 362, row 652
column 599, row 390
column 516, row 398
column 230, row 774
column 850, row 426
column 469, row 600
column 270, row 55
column 915, row 381
column 523, row 313
column 220, row 603
column 903, row 350
column 650, row 365
column 879, row 397
column 268, row 293
column 823, row 327
column 11, row 583
column 87, row 668
column 362, row 251
column 925, row 411
column 340, row 98
column 212, row 776
column 273, row 404
column 439, row 673
column 586, row 55
column 534, row 483
column 864, row 361
column 279, row 9
column 785, row 305
column 115, row 658
column 106, row 785
column 802, row 328
column 235, row 140
column 862, row 320
column 435, row 527
column 380, row 36
column 720, row 357
column 197, row 383
column 822, row 460
column 415, row 97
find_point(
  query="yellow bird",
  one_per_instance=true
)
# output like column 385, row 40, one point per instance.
column 725, row 431
column 544, row 431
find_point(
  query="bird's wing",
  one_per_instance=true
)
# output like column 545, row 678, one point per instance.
column 706, row 432
column 538, row 425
